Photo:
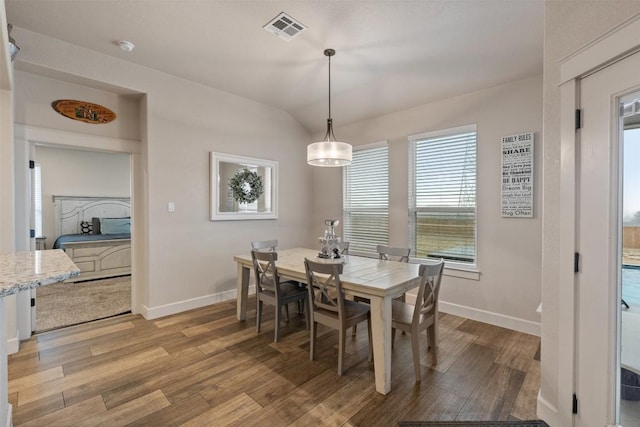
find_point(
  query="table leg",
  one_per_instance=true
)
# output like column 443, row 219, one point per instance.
column 381, row 332
column 242, row 285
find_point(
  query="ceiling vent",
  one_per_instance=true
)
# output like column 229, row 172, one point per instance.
column 284, row 26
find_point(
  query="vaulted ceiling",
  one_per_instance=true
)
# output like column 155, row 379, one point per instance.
column 390, row 55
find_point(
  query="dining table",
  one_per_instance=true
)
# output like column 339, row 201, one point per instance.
column 378, row 280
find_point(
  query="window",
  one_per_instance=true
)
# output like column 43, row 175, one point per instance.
column 366, row 199
column 37, row 199
column 442, row 194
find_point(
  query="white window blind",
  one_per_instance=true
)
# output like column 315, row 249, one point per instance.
column 366, row 199
column 442, row 194
column 37, row 199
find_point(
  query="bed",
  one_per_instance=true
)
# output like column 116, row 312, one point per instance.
column 95, row 233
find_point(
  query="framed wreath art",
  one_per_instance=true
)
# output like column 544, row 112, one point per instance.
column 243, row 188
column 246, row 186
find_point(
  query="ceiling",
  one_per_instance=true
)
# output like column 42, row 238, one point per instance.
column 390, row 55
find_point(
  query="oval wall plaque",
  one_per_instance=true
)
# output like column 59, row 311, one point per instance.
column 83, row 111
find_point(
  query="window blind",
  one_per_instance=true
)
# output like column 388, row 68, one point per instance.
column 366, row 199
column 442, row 194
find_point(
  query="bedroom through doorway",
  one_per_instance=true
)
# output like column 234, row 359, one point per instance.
column 82, row 205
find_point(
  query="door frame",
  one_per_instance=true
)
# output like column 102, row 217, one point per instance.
column 29, row 136
column 613, row 46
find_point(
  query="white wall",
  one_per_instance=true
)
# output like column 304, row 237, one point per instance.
column 36, row 93
column 509, row 249
column 569, row 25
column 189, row 259
column 68, row 172
column 8, row 329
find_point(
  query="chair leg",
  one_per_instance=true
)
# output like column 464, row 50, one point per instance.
column 341, row 344
column 393, row 337
column 258, row 316
column 370, row 340
column 286, row 310
column 432, row 338
column 306, row 312
column 312, row 340
column 276, row 337
column 415, row 346
column 353, row 333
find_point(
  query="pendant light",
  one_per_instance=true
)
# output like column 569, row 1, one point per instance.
column 329, row 152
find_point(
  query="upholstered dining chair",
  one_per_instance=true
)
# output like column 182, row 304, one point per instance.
column 330, row 308
column 270, row 290
column 421, row 316
column 264, row 245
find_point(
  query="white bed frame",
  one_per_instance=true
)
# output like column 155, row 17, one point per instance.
column 96, row 259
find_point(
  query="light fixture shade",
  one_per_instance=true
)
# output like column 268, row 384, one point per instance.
column 329, row 153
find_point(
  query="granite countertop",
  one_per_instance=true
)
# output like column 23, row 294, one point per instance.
column 27, row 270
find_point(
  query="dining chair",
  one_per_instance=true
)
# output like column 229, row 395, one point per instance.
column 421, row 316
column 262, row 245
column 270, row 290
column 393, row 253
column 271, row 245
column 388, row 253
column 344, row 248
column 323, row 282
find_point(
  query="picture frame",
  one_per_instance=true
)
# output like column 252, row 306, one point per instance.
column 242, row 188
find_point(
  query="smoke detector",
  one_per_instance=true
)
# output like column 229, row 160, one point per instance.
column 284, row 26
column 125, row 45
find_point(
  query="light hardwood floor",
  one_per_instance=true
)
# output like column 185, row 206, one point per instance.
column 205, row 368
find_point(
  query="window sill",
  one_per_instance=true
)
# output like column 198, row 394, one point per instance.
column 461, row 273
column 453, row 269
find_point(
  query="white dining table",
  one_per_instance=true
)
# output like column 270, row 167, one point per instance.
column 378, row 280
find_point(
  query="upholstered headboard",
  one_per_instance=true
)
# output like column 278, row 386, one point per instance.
column 72, row 210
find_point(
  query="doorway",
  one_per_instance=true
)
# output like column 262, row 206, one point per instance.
column 629, row 411
column 599, row 237
column 27, row 138
column 77, row 187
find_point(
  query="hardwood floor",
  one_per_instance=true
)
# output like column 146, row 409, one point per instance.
column 204, row 368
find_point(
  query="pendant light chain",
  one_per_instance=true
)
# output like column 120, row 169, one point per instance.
column 329, row 87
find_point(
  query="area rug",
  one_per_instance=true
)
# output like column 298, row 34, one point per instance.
column 66, row 304
column 534, row 423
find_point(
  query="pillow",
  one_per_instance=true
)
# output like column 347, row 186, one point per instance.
column 86, row 227
column 96, row 225
column 115, row 225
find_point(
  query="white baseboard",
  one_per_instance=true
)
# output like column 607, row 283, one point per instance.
column 13, row 345
column 9, row 422
column 497, row 319
column 151, row 313
column 547, row 412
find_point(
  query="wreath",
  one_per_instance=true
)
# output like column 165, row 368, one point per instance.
column 246, row 186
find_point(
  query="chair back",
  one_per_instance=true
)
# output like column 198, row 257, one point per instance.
column 264, row 245
column 388, row 253
column 264, row 267
column 427, row 298
column 322, row 279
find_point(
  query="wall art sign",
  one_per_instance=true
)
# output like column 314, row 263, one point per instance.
column 83, row 111
column 517, row 175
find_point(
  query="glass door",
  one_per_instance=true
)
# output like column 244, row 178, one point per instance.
column 629, row 381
